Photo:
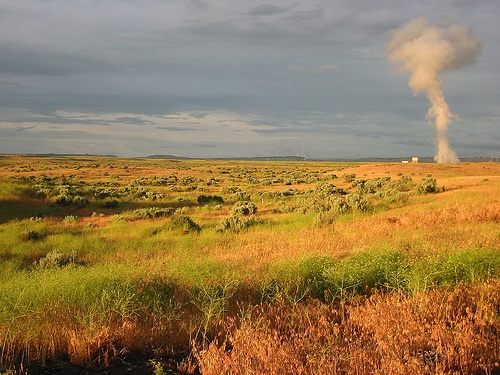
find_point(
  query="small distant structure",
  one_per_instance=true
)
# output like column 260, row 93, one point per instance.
column 405, row 162
column 414, row 159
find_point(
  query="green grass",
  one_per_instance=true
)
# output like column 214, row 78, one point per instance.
column 394, row 270
column 41, row 308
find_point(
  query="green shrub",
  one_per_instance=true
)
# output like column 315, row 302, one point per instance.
column 102, row 192
column 153, row 212
column 206, row 199
column 338, row 205
column 183, row 223
column 324, row 198
column 383, row 187
column 427, row 186
column 43, row 193
column 64, row 199
column 151, row 196
column 231, row 189
column 284, row 208
column 187, row 180
column 55, row 259
column 349, row 177
column 241, row 196
column 324, row 219
column 357, row 202
column 237, row 223
column 324, row 190
column 110, row 204
column 243, row 208
column 80, row 202
column 30, row 235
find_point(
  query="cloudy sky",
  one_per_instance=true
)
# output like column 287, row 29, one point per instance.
column 234, row 78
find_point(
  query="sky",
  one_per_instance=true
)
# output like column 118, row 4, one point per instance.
column 223, row 79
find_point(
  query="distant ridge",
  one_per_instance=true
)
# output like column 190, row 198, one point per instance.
column 269, row 158
column 91, row 155
column 171, row 157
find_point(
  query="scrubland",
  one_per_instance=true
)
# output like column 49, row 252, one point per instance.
column 250, row 267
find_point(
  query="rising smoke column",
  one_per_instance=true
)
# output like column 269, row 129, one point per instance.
column 424, row 51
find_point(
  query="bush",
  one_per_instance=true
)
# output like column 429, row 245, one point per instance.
column 383, row 187
column 183, row 223
column 110, row 204
column 324, row 198
column 231, row 189
column 55, row 259
column 339, row 206
column 70, row 219
column 206, row 199
column 30, row 235
column 349, row 177
column 284, row 208
column 80, row 202
column 323, row 190
column 357, row 202
column 427, row 186
column 64, row 199
column 187, row 180
column 324, row 219
column 236, row 223
column 153, row 212
column 243, row 208
column 241, row 196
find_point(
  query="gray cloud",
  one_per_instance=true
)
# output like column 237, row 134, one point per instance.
column 267, row 10
column 176, row 128
column 250, row 79
column 199, row 115
column 133, row 120
column 38, row 61
column 206, row 145
column 323, row 69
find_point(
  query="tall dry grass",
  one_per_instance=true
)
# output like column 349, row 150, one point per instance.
column 446, row 331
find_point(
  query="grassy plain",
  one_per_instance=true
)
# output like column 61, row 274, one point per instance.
column 250, row 267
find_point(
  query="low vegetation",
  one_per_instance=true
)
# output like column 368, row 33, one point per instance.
column 232, row 267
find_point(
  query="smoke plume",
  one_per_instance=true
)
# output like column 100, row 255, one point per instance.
column 424, row 51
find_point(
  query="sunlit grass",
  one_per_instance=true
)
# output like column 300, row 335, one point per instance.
column 97, row 283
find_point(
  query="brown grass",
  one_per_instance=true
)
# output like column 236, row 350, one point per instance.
column 436, row 332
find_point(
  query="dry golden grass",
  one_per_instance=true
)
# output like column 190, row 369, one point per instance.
column 436, row 332
column 448, row 228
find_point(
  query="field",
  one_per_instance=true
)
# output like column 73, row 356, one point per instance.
column 249, row 267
